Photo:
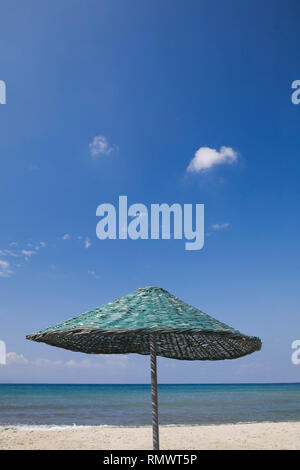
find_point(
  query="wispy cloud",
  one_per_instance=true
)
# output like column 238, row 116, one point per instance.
column 9, row 253
column 13, row 358
column 28, row 253
column 220, row 226
column 93, row 273
column 8, row 268
column 11, row 258
column 66, row 236
column 5, row 270
column 206, row 157
column 100, row 146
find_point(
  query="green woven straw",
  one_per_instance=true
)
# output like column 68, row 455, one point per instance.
column 124, row 326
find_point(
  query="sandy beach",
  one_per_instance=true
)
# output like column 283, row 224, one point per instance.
column 235, row 436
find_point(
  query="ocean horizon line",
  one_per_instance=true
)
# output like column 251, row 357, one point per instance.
column 148, row 383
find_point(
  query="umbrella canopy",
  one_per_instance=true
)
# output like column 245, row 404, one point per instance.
column 150, row 321
column 123, row 326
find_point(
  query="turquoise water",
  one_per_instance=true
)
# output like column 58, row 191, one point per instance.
column 130, row 405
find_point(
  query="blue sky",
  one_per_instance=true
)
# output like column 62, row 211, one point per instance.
column 159, row 80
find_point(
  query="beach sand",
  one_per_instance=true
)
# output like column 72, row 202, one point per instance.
column 232, row 436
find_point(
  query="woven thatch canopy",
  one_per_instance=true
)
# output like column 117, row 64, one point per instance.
column 124, row 326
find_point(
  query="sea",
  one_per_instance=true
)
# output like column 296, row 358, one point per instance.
column 65, row 405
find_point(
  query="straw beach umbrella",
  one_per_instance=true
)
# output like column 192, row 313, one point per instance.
column 153, row 322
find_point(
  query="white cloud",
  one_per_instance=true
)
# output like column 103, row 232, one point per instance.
column 111, row 361
column 15, row 358
column 100, row 146
column 28, row 253
column 11, row 258
column 8, row 253
column 40, row 245
column 117, row 361
column 82, row 363
column 220, row 226
column 5, row 270
column 205, row 158
column 87, row 243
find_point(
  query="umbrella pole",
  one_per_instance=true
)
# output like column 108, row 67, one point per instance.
column 154, row 393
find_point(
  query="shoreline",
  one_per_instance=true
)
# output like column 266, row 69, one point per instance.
column 62, row 427
column 263, row 435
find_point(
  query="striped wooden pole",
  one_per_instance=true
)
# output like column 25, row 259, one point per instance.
column 155, row 430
